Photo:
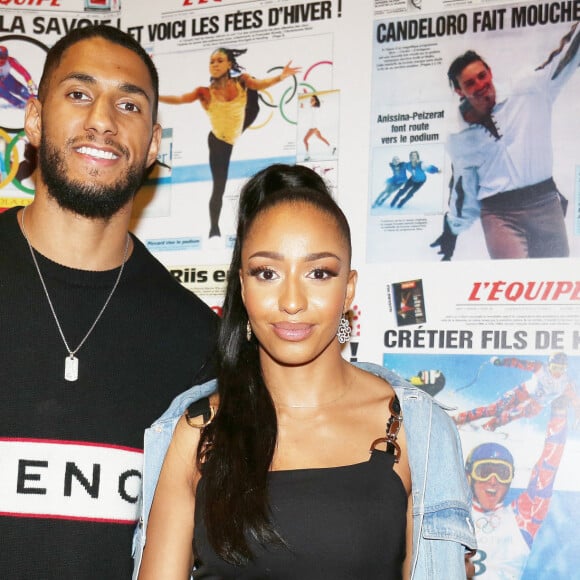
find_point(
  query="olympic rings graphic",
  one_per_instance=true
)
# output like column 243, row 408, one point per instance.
column 316, row 64
column 281, row 106
column 295, row 83
column 11, row 147
column 14, row 165
column 288, row 95
column 269, row 118
column 487, row 524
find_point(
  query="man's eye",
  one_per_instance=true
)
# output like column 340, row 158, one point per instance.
column 77, row 95
column 131, row 107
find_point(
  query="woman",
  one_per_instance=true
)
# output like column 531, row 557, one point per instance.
column 231, row 104
column 417, row 178
column 313, row 130
column 279, row 483
column 392, row 183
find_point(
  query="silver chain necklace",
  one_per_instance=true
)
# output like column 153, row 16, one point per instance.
column 71, row 362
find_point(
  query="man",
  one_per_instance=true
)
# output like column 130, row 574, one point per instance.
column 506, row 531
column 417, row 178
column 502, row 158
column 97, row 336
column 547, row 383
column 397, row 179
column 12, row 90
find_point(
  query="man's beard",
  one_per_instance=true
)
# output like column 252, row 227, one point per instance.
column 87, row 199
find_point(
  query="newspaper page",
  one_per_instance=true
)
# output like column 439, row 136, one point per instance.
column 281, row 59
column 446, row 159
column 500, row 348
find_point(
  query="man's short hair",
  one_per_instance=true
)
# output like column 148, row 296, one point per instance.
column 109, row 33
column 460, row 63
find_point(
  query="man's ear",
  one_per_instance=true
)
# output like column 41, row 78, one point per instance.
column 154, row 145
column 33, row 121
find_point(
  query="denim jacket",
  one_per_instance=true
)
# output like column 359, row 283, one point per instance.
column 442, row 525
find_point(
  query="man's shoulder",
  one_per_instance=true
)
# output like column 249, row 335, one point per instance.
column 160, row 282
column 157, row 273
column 8, row 232
column 8, row 217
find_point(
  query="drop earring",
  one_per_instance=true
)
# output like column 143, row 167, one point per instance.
column 344, row 330
column 248, row 331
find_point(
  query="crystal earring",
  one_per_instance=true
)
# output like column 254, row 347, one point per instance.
column 344, row 330
column 248, row 331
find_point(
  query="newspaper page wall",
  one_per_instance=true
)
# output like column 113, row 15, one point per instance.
column 411, row 160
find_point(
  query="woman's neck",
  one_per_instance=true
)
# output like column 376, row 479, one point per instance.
column 220, row 82
column 315, row 385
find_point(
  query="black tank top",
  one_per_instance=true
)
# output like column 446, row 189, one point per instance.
column 340, row 523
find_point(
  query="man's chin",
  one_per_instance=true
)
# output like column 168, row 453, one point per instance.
column 485, row 103
column 95, row 203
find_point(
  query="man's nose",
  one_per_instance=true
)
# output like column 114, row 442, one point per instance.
column 102, row 116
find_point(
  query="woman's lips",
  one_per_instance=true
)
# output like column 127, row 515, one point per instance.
column 292, row 331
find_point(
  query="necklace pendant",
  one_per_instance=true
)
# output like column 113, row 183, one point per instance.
column 71, row 368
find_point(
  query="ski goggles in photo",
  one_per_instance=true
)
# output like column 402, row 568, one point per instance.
column 484, row 469
column 556, row 367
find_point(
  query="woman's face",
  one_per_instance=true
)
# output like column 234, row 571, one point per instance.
column 296, row 283
column 219, row 64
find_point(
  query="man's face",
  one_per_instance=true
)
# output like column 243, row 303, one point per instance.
column 94, row 128
column 557, row 370
column 491, row 480
column 476, row 85
column 489, row 494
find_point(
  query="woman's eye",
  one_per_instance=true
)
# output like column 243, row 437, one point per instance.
column 321, row 274
column 264, row 274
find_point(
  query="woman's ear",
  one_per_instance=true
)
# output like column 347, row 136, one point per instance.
column 242, row 288
column 350, row 290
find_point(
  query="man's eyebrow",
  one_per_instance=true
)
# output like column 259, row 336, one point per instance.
column 128, row 88
column 132, row 89
column 82, row 77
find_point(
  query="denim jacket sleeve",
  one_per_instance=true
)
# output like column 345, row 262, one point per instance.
column 442, row 524
column 155, row 444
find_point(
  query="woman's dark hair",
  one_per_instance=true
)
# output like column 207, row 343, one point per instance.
column 316, row 101
column 232, row 55
column 236, row 449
